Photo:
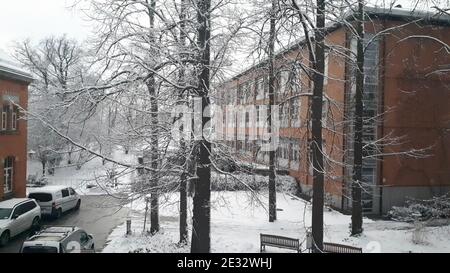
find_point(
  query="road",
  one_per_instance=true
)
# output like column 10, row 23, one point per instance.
column 98, row 215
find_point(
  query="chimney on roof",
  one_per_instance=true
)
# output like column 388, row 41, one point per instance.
column 399, row 6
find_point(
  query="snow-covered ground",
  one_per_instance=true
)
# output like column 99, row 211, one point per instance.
column 238, row 219
column 91, row 178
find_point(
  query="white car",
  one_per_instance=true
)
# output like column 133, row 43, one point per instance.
column 59, row 239
column 55, row 200
column 16, row 216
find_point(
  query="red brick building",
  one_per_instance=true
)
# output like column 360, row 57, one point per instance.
column 13, row 129
column 406, row 109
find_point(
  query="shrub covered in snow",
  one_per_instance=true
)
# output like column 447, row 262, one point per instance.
column 422, row 210
column 244, row 181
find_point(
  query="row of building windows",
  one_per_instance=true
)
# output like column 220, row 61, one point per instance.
column 287, row 154
column 288, row 79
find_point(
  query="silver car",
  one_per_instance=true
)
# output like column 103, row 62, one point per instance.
column 16, row 216
column 59, row 239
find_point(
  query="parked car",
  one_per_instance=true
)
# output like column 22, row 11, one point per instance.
column 59, row 239
column 16, row 216
column 55, row 200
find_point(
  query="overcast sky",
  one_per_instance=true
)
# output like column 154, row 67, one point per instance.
column 35, row 19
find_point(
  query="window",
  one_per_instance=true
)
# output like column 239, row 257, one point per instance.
column 14, row 119
column 72, row 191
column 65, row 192
column 284, row 75
column 284, row 115
column 325, row 110
column 260, row 89
column 8, row 174
column 327, row 60
column 257, row 115
column 294, row 112
column 266, row 87
column 5, row 213
column 19, row 210
column 28, row 206
column 40, row 249
column 41, row 197
column 4, row 118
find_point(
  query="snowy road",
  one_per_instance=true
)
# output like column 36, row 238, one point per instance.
column 98, row 216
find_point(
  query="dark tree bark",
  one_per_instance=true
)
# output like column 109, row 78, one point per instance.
column 201, row 241
column 44, row 163
column 358, row 124
column 184, row 175
column 154, row 195
column 272, row 175
column 316, row 144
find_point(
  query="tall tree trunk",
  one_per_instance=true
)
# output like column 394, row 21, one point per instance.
column 183, row 146
column 358, row 124
column 316, row 144
column 201, row 242
column 272, row 183
column 154, row 195
column 44, row 162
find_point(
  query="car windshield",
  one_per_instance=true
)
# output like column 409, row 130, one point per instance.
column 5, row 213
column 39, row 249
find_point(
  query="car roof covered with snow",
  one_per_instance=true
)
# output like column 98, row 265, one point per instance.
column 54, row 234
column 12, row 202
column 47, row 189
column 11, row 70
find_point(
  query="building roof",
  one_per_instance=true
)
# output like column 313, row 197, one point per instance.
column 11, row 70
column 373, row 12
column 409, row 15
column 12, row 202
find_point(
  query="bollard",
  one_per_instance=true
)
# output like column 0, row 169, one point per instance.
column 128, row 226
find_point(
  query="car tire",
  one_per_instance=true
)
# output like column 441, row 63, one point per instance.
column 4, row 238
column 36, row 224
column 57, row 213
column 77, row 207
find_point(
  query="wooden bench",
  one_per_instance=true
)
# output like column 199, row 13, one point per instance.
column 279, row 241
column 338, row 248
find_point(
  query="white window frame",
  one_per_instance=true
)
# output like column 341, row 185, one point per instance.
column 8, row 173
column 13, row 120
column 4, row 121
column 260, row 88
column 326, row 68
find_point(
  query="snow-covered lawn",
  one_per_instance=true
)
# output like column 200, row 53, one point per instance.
column 238, row 219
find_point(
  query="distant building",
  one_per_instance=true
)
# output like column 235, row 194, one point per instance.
column 407, row 99
column 13, row 129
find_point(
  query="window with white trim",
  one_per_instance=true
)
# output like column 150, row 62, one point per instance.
column 260, row 88
column 295, row 112
column 14, row 118
column 326, row 68
column 8, row 174
column 4, row 121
